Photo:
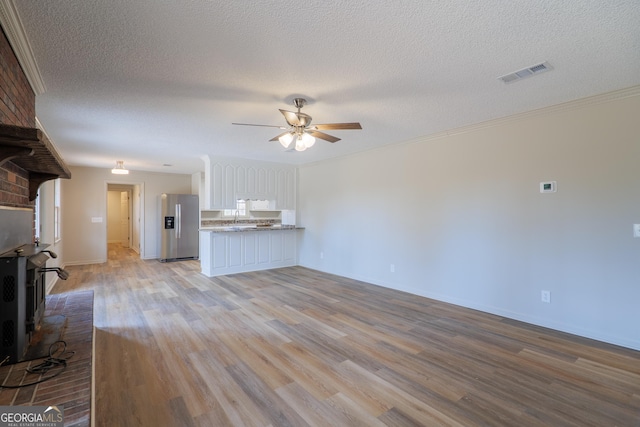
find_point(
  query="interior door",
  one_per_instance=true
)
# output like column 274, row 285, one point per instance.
column 124, row 218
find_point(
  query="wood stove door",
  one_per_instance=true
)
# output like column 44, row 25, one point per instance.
column 35, row 298
column 14, row 338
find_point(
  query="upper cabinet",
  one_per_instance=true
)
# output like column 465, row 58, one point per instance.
column 285, row 190
column 231, row 180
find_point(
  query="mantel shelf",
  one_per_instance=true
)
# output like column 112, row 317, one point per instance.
column 31, row 150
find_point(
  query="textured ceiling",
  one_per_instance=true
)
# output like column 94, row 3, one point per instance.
column 156, row 81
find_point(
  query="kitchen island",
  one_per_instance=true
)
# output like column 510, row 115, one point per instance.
column 241, row 248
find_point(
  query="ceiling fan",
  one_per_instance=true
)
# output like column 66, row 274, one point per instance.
column 301, row 130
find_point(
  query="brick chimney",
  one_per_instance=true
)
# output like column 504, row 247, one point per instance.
column 17, row 107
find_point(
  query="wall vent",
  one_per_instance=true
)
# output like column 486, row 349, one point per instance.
column 526, row 72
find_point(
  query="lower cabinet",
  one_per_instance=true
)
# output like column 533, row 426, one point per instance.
column 238, row 252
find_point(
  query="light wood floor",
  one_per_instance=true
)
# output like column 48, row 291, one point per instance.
column 295, row 347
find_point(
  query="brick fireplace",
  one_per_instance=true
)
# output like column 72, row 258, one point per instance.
column 17, row 107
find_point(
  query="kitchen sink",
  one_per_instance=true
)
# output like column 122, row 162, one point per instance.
column 241, row 227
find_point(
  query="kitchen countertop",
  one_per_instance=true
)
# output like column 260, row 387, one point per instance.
column 244, row 228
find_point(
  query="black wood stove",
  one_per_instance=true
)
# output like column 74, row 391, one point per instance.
column 22, row 297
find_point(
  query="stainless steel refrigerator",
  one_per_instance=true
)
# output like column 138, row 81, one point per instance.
column 179, row 227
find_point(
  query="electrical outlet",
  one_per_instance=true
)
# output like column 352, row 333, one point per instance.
column 545, row 296
column 321, row 255
column 392, row 268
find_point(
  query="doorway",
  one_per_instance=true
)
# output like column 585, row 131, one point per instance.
column 124, row 216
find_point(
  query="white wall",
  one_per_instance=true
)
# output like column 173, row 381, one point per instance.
column 462, row 219
column 197, row 187
column 84, row 197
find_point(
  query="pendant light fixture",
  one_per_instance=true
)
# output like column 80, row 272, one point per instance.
column 119, row 169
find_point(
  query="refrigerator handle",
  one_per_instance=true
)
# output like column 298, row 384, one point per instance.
column 178, row 220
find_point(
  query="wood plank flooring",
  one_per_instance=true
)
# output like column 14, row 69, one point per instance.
column 296, row 347
column 70, row 387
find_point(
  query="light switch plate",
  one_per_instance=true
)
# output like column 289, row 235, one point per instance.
column 636, row 230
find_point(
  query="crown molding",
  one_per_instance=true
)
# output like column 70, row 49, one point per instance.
column 565, row 106
column 13, row 28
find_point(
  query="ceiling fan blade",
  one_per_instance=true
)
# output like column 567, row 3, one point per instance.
column 251, row 124
column 323, row 135
column 290, row 117
column 296, row 119
column 336, row 126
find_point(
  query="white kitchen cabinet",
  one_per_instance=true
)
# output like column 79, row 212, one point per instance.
column 252, row 180
column 249, row 251
column 231, row 180
column 229, row 187
column 217, row 186
column 271, row 183
column 237, row 252
column 281, row 189
column 218, row 251
column 234, row 248
column 277, row 243
column 223, row 191
column 263, row 249
column 285, row 190
column 241, row 180
column 261, row 184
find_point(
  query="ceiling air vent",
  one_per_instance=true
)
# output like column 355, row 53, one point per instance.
column 526, row 72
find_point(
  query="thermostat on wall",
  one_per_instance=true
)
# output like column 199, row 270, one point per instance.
column 548, row 187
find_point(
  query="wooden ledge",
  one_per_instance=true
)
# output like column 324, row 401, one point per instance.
column 30, row 149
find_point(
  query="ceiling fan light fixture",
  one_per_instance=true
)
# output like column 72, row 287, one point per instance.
column 286, row 139
column 308, row 140
column 300, row 145
column 119, row 169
